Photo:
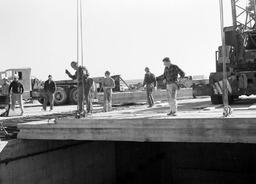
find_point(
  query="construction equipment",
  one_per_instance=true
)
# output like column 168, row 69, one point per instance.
column 240, row 54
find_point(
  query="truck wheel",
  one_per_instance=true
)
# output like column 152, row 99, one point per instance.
column 216, row 99
column 60, row 96
column 73, row 96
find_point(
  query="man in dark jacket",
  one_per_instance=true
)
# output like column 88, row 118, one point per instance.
column 171, row 73
column 16, row 90
column 150, row 82
column 49, row 90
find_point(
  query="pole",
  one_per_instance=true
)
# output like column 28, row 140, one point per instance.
column 226, row 109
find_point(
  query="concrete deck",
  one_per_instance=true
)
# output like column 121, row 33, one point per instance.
column 196, row 122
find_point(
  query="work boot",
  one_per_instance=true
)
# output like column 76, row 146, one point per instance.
column 169, row 114
column 172, row 114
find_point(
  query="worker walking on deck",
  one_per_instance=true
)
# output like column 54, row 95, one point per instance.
column 150, row 83
column 171, row 73
column 16, row 90
column 108, row 84
column 49, row 90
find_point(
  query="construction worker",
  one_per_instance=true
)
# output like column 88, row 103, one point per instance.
column 88, row 84
column 5, row 94
column 150, row 83
column 108, row 84
column 49, row 90
column 170, row 76
column 5, row 87
column 16, row 90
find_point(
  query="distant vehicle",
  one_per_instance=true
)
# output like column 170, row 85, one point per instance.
column 66, row 92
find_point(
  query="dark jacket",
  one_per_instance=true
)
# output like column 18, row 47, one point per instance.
column 74, row 77
column 49, row 86
column 171, row 73
column 16, row 87
column 149, row 80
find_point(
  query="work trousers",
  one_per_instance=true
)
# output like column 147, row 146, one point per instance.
column 107, row 100
column 88, row 99
column 48, row 97
column 16, row 97
column 150, row 97
column 172, row 96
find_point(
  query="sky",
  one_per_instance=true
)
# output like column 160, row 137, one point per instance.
column 122, row 36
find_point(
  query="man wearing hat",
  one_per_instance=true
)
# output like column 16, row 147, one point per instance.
column 171, row 73
column 16, row 90
column 150, row 82
column 49, row 90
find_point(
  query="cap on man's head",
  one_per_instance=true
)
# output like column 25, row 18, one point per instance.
column 49, row 76
column 166, row 59
column 147, row 68
column 107, row 73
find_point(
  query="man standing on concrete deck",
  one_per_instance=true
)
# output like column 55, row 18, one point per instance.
column 171, row 73
column 5, row 87
column 49, row 90
column 108, row 84
column 150, row 82
column 88, row 84
column 16, row 90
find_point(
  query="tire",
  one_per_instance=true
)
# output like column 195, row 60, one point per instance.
column 60, row 96
column 73, row 96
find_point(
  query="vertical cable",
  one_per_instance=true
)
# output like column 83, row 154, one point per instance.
column 81, row 29
column 226, row 109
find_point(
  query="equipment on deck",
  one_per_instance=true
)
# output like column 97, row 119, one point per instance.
column 239, row 50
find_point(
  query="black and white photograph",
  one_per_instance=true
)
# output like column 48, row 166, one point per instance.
column 127, row 91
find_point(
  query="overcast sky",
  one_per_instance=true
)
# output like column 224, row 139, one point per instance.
column 122, row 36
